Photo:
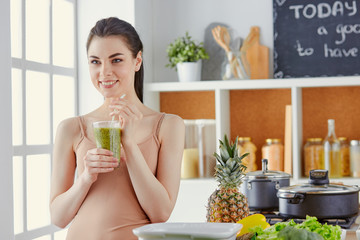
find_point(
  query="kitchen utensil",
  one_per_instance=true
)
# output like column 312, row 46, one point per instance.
column 257, row 55
column 260, row 187
column 222, row 37
column 319, row 198
column 183, row 231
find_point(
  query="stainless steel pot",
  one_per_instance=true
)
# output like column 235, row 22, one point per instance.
column 319, row 198
column 260, row 187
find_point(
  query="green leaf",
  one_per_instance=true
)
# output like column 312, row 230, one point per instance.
column 186, row 50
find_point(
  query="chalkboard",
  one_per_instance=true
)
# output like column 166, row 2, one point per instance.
column 316, row 38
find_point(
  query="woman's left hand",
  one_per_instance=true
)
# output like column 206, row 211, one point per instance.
column 129, row 116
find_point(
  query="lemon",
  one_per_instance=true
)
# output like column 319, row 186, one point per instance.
column 252, row 221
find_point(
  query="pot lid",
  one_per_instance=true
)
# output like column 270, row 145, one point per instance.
column 320, row 189
column 267, row 174
column 319, row 184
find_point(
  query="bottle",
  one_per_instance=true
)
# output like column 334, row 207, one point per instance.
column 345, row 156
column 246, row 146
column 332, row 152
column 273, row 150
column 313, row 155
column 355, row 158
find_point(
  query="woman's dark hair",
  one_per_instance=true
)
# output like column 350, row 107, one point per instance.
column 113, row 26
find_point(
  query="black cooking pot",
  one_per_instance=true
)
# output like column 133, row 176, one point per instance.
column 260, row 188
column 319, row 198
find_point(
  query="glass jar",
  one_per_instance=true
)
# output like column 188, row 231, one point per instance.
column 198, row 160
column 313, row 155
column 355, row 158
column 235, row 66
column 345, row 156
column 246, row 146
column 332, row 152
column 273, row 150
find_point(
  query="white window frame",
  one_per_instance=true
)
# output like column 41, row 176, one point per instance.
column 24, row 150
column 6, row 151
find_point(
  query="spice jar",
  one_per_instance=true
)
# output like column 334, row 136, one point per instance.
column 313, row 155
column 345, row 156
column 246, row 146
column 273, row 150
column 355, row 158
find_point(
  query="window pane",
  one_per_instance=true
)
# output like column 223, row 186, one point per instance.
column 61, row 235
column 16, row 35
column 63, row 99
column 17, row 110
column 18, row 178
column 37, row 31
column 63, row 33
column 37, row 108
column 38, row 190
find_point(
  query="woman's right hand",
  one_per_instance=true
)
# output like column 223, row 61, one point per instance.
column 97, row 161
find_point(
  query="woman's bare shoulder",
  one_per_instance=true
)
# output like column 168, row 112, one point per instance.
column 172, row 123
column 171, row 119
column 69, row 127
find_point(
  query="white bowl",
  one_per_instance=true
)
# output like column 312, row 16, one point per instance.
column 183, row 231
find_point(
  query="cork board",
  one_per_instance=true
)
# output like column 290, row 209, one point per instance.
column 339, row 103
column 258, row 114
column 189, row 105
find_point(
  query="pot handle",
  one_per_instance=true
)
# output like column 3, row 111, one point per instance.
column 249, row 186
column 294, row 198
column 277, row 184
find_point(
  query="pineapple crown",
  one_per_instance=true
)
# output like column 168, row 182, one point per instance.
column 229, row 171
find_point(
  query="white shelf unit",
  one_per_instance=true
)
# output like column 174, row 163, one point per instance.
column 222, row 108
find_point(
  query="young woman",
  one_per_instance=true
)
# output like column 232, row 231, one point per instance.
column 108, row 200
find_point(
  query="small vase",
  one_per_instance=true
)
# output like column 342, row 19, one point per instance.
column 189, row 71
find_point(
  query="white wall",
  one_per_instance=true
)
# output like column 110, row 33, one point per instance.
column 6, row 200
column 171, row 19
column 159, row 22
column 90, row 11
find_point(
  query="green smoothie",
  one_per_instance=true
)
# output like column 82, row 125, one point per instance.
column 108, row 138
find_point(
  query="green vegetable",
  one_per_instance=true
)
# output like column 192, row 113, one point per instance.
column 328, row 232
column 293, row 233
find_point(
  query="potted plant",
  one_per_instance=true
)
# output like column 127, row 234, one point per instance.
column 185, row 55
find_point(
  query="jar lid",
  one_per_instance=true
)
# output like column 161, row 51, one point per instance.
column 245, row 139
column 314, row 139
column 273, row 140
column 265, row 174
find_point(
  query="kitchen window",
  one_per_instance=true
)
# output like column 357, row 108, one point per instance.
column 44, row 92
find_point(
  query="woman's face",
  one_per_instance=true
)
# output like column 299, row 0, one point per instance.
column 112, row 66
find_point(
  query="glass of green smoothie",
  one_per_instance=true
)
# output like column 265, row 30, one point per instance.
column 107, row 136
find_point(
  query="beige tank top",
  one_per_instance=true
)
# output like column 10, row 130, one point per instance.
column 111, row 209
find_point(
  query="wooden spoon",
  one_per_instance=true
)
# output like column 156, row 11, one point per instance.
column 222, row 37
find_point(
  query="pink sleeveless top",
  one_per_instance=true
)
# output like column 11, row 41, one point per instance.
column 111, row 209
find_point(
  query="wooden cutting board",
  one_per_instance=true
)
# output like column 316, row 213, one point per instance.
column 257, row 56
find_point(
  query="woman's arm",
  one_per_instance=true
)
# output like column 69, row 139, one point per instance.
column 157, row 195
column 66, row 196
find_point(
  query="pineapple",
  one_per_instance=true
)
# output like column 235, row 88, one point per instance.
column 227, row 204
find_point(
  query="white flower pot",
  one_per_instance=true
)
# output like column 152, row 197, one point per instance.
column 189, row 71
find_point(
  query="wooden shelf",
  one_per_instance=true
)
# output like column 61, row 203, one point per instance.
column 253, row 84
column 230, row 100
